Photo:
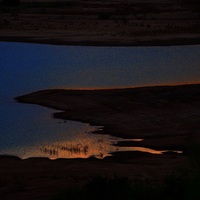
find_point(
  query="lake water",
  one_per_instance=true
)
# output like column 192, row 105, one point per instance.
column 29, row 130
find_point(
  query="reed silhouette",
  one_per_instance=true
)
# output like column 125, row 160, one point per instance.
column 56, row 149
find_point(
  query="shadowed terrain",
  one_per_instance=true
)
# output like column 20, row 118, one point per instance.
column 102, row 23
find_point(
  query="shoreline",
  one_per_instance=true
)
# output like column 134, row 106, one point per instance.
column 121, row 111
column 179, row 41
column 165, row 116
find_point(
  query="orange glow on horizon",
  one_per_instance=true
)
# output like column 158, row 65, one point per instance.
column 126, row 87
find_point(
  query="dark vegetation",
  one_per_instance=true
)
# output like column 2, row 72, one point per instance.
column 182, row 184
column 174, row 187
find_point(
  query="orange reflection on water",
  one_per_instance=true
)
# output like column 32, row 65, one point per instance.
column 141, row 149
column 100, row 148
column 83, row 148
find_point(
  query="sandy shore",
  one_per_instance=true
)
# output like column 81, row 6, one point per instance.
column 91, row 23
column 166, row 117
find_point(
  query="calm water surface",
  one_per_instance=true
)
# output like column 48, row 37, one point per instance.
column 29, row 130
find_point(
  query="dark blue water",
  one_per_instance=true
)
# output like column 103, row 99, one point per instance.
column 29, row 130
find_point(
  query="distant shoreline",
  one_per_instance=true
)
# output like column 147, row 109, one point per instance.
column 96, row 23
column 142, row 43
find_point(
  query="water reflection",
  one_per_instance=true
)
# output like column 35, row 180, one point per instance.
column 57, row 149
column 90, row 148
column 35, row 134
column 98, row 146
column 50, row 66
column 26, row 131
column 148, row 150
